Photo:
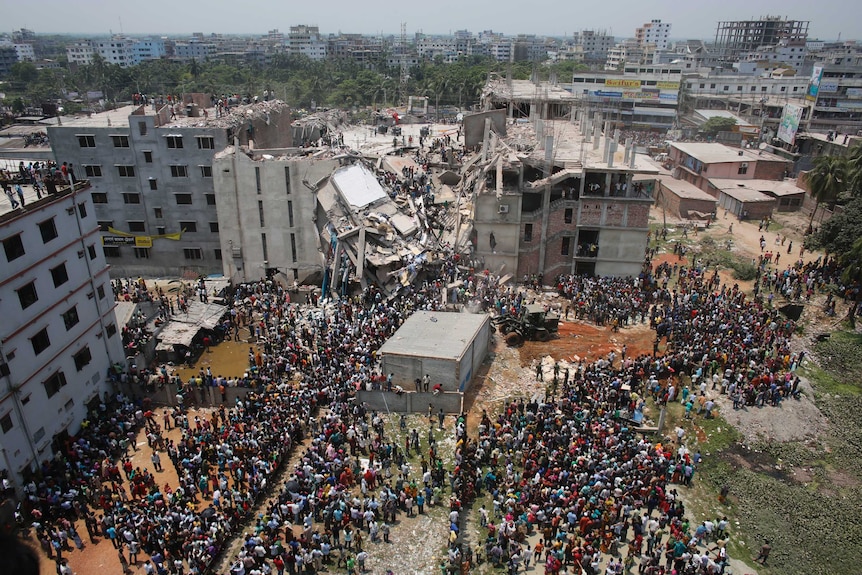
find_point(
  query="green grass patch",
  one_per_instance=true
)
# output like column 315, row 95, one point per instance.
column 839, row 364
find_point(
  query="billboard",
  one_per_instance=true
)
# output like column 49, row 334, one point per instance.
column 789, row 123
column 620, row 83
column 814, row 83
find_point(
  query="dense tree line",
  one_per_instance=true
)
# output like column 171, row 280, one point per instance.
column 295, row 79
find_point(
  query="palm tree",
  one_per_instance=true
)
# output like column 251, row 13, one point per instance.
column 854, row 170
column 826, row 181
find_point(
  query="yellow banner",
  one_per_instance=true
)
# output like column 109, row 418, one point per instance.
column 619, row 83
column 143, row 242
column 667, row 85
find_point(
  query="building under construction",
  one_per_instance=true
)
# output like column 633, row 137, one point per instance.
column 734, row 38
column 558, row 191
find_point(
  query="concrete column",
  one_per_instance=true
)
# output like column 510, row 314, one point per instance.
column 546, row 211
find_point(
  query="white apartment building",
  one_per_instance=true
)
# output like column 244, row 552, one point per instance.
column 117, row 50
column 59, row 334
column 306, row 40
column 80, row 52
column 654, row 32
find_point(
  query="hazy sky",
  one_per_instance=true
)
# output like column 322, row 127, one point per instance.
column 692, row 19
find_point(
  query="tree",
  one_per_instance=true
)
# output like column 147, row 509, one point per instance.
column 718, row 124
column 826, row 181
column 854, row 170
column 838, row 235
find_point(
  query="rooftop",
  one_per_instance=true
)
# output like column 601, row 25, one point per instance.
column 740, row 191
column 777, row 188
column 501, row 89
column 32, row 202
column 714, row 153
column 684, row 189
column 441, row 335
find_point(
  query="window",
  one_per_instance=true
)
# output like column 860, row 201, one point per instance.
column 48, row 230
column 111, row 251
column 70, row 317
column 105, row 225
column 82, row 210
column 287, row 179
column 293, row 247
column 264, row 248
column 14, row 247
column 27, row 295
column 189, row 226
column 206, row 171
column 174, row 142
column 257, row 179
column 93, row 171
column 120, row 141
column 54, row 383
column 567, row 215
column 743, row 169
column 154, row 184
column 206, row 142
column 783, row 88
column 6, row 422
column 148, row 157
column 131, row 198
column 160, row 231
column 136, row 226
column 142, row 253
column 712, row 86
column 59, row 275
column 214, row 227
column 183, row 199
column 100, row 291
column 157, row 213
column 193, row 254
column 91, row 251
column 179, row 171
column 126, row 171
column 40, row 341
column 99, row 197
column 289, row 214
column 260, row 213
column 111, row 330
column 86, row 141
column 210, row 199
column 528, row 232
column 217, row 254
column 142, row 128
column 564, row 247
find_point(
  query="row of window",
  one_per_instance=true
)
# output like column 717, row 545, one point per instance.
column 144, row 253
column 128, row 171
column 27, row 294
column 14, row 245
column 122, row 141
column 189, row 226
column 740, row 88
column 135, row 198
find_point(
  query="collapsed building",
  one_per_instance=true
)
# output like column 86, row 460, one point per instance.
column 557, row 191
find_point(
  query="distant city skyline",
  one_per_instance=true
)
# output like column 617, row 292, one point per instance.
column 828, row 18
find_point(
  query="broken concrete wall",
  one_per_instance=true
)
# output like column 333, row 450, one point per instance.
column 474, row 126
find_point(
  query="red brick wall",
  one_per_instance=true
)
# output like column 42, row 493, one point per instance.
column 591, row 213
column 638, row 216
column 769, row 170
column 614, row 215
column 528, row 263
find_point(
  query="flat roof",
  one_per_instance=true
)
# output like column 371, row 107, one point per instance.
column 358, row 186
column 773, row 187
column 439, row 335
column 707, row 114
column 715, row 153
column 684, row 189
column 740, row 191
column 500, row 89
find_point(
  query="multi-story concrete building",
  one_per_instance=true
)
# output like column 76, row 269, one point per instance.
column 306, row 40
column 595, row 43
column 152, row 179
column 271, row 228
column 117, row 50
column 59, row 335
column 655, row 33
column 737, row 37
column 641, row 97
column 576, row 203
